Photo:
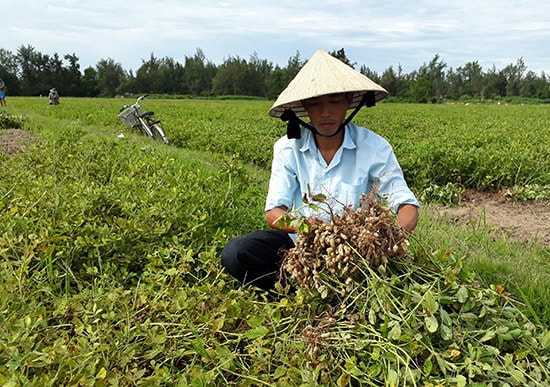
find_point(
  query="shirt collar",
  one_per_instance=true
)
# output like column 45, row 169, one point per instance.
column 309, row 139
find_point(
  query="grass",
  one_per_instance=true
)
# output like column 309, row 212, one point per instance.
column 523, row 268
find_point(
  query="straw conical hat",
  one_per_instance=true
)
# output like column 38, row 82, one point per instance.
column 324, row 74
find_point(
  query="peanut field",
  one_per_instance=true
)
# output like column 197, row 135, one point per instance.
column 110, row 247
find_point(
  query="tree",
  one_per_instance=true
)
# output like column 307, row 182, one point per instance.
column 539, row 87
column 257, row 76
column 72, row 77
column 472, row 79
column 8, row 71
column 39, row 72
column 198, row 74
column 110, row 77
column 28, row 69
column 341, row 54
column 429, row 83
column 281, row 77
column 171, row 75
column 89, row 82
column 371, row 74
column 230, row 77
column 29, row 72
column 147, row 76
column 513, row 74
column 394, row 83
column 494, row 83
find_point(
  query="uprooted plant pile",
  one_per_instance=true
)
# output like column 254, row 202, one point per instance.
column 346, row 248
column 406, row 319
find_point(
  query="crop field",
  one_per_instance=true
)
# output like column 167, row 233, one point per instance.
column 110, row 248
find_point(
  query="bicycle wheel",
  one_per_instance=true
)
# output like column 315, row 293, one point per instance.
column 158, row 132
column 145, row 128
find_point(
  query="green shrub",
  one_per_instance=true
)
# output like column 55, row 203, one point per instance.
column 9, row 121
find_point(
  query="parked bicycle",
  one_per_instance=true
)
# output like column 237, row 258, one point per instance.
column 134, row 117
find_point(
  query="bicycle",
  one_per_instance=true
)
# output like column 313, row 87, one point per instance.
column 134, row 117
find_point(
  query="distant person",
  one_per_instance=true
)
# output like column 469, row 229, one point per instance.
column 53, row 96
column 2, row 93
column 330, row 155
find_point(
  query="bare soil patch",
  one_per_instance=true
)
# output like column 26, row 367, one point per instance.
column 523, row 221
column 13, row 140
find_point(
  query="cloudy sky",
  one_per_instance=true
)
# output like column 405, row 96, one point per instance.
column 377, row 34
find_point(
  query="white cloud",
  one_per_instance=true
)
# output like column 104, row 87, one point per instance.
column 374, row 33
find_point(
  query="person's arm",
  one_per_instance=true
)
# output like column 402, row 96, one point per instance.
column 407, row 216
column 273, row 217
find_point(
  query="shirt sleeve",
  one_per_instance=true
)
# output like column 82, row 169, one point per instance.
column 391, row 183
column 283, row 181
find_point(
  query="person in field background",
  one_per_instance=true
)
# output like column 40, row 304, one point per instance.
column 328, row 155
column 2, row 93
column 53, row 96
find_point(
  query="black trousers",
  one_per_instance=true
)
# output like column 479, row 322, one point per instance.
column 255, row 258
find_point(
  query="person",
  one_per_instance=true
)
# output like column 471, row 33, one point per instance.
column 330, row 155
column 2, row 93
column 53, row 96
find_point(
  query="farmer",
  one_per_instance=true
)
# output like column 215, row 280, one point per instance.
column 53, row 95
column 330, row 155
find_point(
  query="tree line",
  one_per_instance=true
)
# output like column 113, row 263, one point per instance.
column 30, row 72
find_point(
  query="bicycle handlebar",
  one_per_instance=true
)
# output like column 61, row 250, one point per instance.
column 136, row 103
column 142, row 97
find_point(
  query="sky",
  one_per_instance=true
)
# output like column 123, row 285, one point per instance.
column 376, row 34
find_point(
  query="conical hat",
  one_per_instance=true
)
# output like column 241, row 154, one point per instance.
column 324, row 74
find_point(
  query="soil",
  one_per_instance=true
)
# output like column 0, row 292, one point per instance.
column 521, row 221
column 524, row 221
column 14, row 140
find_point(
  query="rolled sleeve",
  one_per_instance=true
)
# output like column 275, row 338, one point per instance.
column 391, row 183
column 283, row 181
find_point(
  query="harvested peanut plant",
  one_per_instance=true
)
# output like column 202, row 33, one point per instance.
column 404, row 318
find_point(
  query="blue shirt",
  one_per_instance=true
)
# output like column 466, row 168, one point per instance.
column 364, row 158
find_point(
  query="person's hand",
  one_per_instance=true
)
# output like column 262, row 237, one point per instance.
column 275, row 217
column 407, row 217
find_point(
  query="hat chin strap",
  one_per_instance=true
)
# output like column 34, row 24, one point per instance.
column 294, row 123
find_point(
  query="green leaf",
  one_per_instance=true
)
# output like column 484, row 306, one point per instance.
column 431, row 323
column 372, row 317
column 395, row 332
column 374, row 370
column 462, row 294
column 460, row 381
column 172, row 271
column 344, row 380
column 319, row 198
column 254, row 321
column 445, row 318
column 218, row 323
column 279, row 372
column 506, row 336
column 323, row 291
column 446, row 332
column 488, row 336
column 545, row 340
column 257, row 332
column 428, row 365
column 393, row 377
column 375, row 354
column 429, row 302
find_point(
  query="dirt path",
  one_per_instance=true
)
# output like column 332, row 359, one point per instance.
column 522, row 221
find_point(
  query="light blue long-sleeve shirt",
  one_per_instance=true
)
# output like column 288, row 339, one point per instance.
column 364, row 158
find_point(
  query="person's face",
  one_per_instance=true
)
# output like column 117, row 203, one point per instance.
column 327, row 112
